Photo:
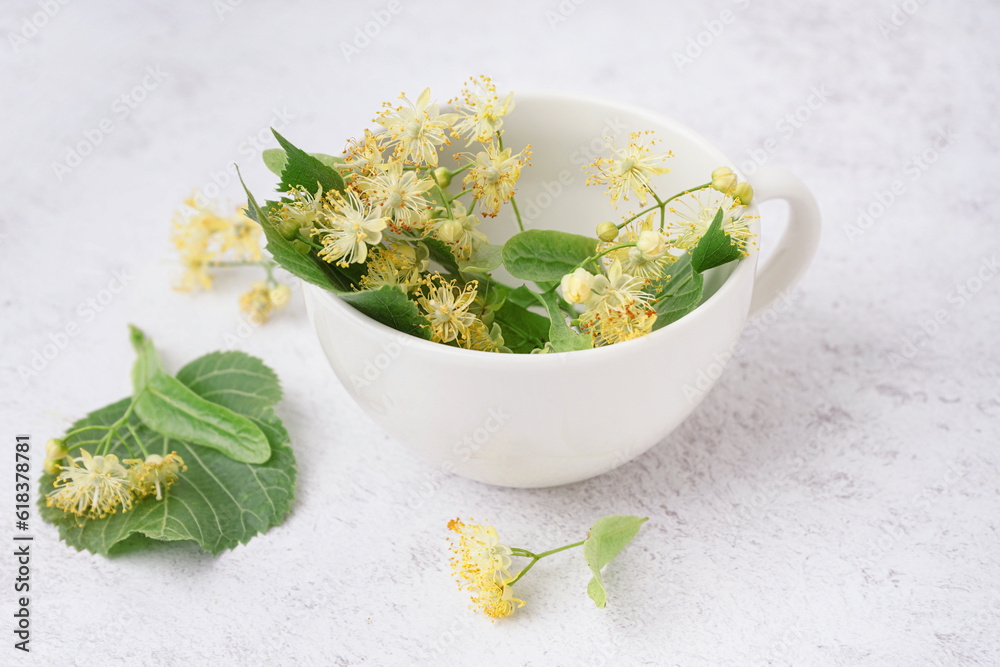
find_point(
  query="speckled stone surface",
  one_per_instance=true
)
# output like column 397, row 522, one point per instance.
column 834, row 501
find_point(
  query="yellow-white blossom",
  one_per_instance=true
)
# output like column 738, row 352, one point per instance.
column 628, row 169
column 693, row 214
column 349, row 229
column 576, row 286
column 459, row 231
column 446, row 308
column 493, row 175
column 417, row 130
column 400, row 194
column 97, row 488
column 482, row 110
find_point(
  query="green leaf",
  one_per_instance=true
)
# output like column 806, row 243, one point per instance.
column 607, row 537
column 218, row 503
column 147, row 362
column 284, row 253
column 715, row 248
column 169, row 407
column 275, row 160
column 677, row 295
column 304, row 170
column 562, row 337
column 390, row 306
column 486, row 258
column 542, row 254
column 441, row 253
column 523, row 331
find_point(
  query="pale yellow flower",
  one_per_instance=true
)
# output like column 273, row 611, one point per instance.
column 280, row 295
column 576, row 286
column 618, row 308
column 417, row 130
column 480, row 562
column 485, row 338
column 256, row 303
column 628, row 169
column 348, row 230
column 399, row 265
column 446, row 307
column 399, row 194
column 459, row 231
column 365, row 156
column 649, row 258
column 96, row 489
column 156, row 473
column 496, row 599
column 483, row 111
column 493, row 175
column 241, row 237
column 694, row 213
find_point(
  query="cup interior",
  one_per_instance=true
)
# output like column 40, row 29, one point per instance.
column 566, row 133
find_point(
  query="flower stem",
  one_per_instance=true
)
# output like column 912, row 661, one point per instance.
column 662, row 205
column 596, row 257
column 517, row 213
column 536, row 557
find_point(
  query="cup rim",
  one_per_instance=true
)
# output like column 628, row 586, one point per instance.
column 744, row 269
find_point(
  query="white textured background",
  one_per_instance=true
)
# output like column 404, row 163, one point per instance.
column 834, row 501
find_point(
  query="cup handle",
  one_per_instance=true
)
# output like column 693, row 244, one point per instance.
column 797, row 246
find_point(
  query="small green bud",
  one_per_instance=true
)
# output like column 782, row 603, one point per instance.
column 302, row 247
column 442, row 176
column 607, row 231
column 289, row 229
column 723, row 180
column 743, row 193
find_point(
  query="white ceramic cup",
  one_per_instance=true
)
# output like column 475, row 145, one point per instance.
column 543, row 420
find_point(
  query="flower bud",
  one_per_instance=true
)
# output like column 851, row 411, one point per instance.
column 607, row 231
column 301, row 247
column 651, row 245
column 723, row 179
column 280, row 296
column 442, row 176
column 743, row 193
column 450, row 230
column 55, row 448
column 576, row 286
column 289, row 229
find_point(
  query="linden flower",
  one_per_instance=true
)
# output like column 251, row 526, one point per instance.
column 347, row 232
column 303, row 208
column 399, row 193
column 459, row 232
column 485, row 338
column 446, row 308
column 483, row 111
column 618, row 308
column 257, row 303
column 695, row 213
column 365, row 156
column 628, row 169
column 493, row 175
column 156, row 473
column 496, row 599
column 241, row 235
column 479, row 553
column 399, row 265
column 576, row 286
column 94, row 490
column 195, row 233
column 650, row 255
column 417, row 129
